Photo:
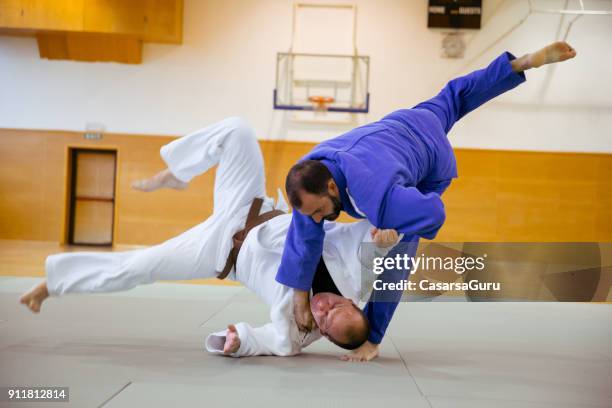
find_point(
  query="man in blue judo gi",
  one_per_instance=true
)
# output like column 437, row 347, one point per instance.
column 391, row 172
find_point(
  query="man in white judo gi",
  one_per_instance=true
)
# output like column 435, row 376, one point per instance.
column 206, row 250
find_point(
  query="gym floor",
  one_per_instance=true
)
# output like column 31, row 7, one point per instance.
column 145, row 348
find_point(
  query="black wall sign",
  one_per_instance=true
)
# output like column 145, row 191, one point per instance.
column 454, row 13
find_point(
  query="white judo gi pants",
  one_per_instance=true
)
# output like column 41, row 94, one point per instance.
column 200, row 252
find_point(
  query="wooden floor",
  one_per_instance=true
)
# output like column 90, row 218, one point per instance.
column 27, row 258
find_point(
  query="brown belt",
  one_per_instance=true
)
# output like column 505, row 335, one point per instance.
column 253, row 219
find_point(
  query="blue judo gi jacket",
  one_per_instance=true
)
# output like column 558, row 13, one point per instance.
column 392, row 172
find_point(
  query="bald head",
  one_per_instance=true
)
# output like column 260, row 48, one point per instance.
column 340, row 320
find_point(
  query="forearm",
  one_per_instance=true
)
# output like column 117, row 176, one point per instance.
column 303, row 249
column 267, row 340
column 301, row 296
column 371, row 251
column 410, row 212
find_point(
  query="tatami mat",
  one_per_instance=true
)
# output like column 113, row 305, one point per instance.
column 145, row 348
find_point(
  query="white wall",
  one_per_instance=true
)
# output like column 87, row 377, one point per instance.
column 227, row 61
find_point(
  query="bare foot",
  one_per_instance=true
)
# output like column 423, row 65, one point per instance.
column 555, row 52
column 366, row 352
column 163, row 179
column 34, row 298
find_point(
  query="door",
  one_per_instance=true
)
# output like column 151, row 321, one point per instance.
column 92, row 196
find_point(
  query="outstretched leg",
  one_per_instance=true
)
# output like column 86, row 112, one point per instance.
column 197, row 253
column 190, row 255
column 464, row 94
column 232, row 145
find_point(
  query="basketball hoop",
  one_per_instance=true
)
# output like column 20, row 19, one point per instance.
column 321, row 102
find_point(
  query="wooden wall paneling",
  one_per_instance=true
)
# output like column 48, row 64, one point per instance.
column 499, row 196
column 470, row 201
column 164, row 22
column 64, row 15
column 90, row 47
column 471, row 210
column 93, row 30
column 21, row 184
column 115, row 16
column 126, row 49
column 546, row 196
column 151, row 20
column 53, row 46
column 603, row 200
column 527, row 208
column 54, row 189
column 11, row 13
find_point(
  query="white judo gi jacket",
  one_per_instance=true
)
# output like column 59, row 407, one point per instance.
column 256, row 268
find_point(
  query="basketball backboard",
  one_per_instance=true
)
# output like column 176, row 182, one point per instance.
column 322, row 70
column 341, row 78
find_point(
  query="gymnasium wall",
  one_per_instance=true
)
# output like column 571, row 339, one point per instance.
column 225, row 67
column 500, row 195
